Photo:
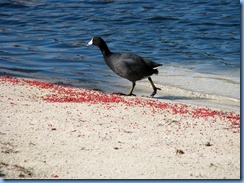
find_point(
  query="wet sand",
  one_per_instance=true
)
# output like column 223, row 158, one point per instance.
column 54, row 131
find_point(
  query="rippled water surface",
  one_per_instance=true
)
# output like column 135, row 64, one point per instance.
column 47, row 39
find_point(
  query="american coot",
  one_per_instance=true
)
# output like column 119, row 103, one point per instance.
column 126, row 65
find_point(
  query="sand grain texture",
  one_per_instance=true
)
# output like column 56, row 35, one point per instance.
column 53, row 131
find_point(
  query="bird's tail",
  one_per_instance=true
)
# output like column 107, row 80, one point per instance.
column 155, row 71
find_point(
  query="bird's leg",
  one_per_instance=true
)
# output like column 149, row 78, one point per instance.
column 154, row 87
column 131, row 90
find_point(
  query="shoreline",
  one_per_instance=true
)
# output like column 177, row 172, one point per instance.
column 178, row 84
column 55, row 131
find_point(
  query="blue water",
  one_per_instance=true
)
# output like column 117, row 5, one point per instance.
column 47, row 40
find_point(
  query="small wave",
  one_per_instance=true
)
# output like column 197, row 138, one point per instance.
column 158, row 17
column 12, row 5
column 24, row 70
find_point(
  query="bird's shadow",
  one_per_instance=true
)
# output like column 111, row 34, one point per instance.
column 174, row 98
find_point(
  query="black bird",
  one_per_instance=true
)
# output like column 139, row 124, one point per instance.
column 128, row 66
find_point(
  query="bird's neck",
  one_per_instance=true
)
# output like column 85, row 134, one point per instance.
column 105, row 50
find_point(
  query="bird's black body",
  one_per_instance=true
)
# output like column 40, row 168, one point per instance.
column 126, row 65
column 130, row 66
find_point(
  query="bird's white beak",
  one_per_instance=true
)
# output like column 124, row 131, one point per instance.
column 90, row 42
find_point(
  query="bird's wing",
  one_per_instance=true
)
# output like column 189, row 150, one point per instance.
column 135, row 59
column 151, row 63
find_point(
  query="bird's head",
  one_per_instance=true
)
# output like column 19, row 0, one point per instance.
column 97, row 41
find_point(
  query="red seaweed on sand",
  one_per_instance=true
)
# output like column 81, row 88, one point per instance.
column 62, row 94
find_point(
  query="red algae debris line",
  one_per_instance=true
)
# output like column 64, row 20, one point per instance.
column 9, row 79
column 78, row 95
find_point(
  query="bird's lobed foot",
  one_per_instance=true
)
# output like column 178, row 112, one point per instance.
column 123, row 94
column 130, row 94
column 118, row 93
column 152, row 95
column 98, row 90
column 154, row 91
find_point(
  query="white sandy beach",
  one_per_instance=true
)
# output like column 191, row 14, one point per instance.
column 55, row 132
